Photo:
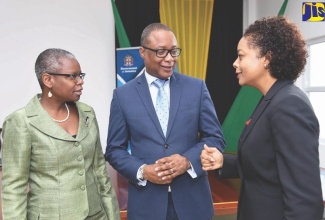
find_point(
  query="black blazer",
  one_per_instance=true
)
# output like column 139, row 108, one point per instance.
column 278, row 160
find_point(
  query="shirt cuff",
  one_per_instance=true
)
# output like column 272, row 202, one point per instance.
column 139, row 175
column 191, row 171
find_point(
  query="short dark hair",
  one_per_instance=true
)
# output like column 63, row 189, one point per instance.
column 50, row 60
column 282, row 43
column 150, row 28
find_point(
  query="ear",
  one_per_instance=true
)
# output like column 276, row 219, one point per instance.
column 47, row 80
column 141, row 51
column 268, row 58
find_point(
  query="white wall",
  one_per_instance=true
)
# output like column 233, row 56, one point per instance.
column 83, row 27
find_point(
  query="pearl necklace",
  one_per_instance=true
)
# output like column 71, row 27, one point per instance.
column 60, row 121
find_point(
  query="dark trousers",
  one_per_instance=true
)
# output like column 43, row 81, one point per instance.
column 171, row 212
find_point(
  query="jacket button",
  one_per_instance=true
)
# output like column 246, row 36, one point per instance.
column 82, row 187
column 76, row 144
column 166, row 146
column 80, row 158
column 81, row 172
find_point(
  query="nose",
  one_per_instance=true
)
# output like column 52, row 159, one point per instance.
column 169, row 56
column 235, row 64
column 79, row 80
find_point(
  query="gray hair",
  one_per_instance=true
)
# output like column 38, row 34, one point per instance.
column 150, row 28
column 50, row 60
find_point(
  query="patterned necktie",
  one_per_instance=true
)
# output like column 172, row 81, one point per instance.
column 162, row 105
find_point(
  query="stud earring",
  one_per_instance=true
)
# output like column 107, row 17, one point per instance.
column 266, row 66
column 49, row 94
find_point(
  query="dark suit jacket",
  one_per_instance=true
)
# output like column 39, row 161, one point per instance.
column 67, row 176
column 133, row 118
column 278, row 160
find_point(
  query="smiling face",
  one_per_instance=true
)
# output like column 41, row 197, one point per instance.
column 159, row 67
column 250, row 67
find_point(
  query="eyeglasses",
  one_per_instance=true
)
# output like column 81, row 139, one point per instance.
column 162, row 53
column 74, row 77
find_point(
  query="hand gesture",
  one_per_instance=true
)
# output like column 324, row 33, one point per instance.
column 172, row 166
column 211, row 158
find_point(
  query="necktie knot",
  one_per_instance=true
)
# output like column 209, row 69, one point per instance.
column 159, row 83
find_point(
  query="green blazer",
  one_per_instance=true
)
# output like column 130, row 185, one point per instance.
column 67, row 176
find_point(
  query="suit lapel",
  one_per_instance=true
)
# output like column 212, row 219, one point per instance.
column 86, row 118
column 256, row 114
column 265, row 100
column 175, row 96
column 144, row 93
column 41, row 120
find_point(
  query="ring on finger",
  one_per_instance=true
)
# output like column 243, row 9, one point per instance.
column 171, row 171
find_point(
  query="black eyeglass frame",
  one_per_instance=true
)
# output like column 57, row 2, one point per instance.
column 73, row 77
column 168, row 51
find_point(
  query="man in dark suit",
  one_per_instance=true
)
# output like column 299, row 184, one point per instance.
column 164, row 168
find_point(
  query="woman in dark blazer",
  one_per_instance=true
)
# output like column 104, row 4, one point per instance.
column 277, row 159
column 52, row 146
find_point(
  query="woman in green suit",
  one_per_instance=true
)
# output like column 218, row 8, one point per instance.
column 53, row 164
